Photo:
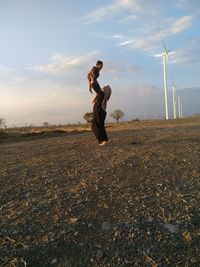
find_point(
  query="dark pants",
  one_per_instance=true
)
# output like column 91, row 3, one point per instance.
column 98, row 127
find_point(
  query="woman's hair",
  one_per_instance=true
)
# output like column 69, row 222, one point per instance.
column 99, row 62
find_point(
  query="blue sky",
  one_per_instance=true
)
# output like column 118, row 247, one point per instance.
column 48, row 46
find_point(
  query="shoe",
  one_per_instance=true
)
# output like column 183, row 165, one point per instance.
column 103, row 143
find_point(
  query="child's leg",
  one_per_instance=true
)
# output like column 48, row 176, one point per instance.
column 96, row 87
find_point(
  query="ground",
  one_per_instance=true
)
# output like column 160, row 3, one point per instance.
column 65, row 201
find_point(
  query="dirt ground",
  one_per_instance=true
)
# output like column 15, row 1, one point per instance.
column 65, row 201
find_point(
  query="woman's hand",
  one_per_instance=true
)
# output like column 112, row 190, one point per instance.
column 94, row 100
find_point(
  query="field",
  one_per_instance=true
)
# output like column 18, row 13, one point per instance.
column 65, row 201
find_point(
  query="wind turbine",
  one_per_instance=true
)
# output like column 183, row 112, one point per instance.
column 165, row 58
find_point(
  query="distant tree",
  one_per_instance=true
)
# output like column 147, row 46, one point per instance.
column 88, row 116
column 2, row 123
column 117, row 114
column 136, row 120
column 46, row 124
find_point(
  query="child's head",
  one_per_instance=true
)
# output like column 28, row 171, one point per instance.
column 99, row 64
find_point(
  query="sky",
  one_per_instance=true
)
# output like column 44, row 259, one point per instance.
column 47, row 48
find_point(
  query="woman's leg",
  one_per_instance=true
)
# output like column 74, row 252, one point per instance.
column 102, row 130
column 96, row 122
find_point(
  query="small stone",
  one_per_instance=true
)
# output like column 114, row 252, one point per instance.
column 171, row 227
column 73, row 220
column 100, row 253
column 187, row 237
column 106, row 226
column 54, row 261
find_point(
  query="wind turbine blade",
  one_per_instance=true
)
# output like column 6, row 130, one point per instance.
column 163, row 44
column 158, row 55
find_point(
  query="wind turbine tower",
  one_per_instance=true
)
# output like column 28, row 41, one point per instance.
column 174, row 101
column 180, row 107
column 164, row 56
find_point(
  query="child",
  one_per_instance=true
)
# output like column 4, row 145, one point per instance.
column 93, row 75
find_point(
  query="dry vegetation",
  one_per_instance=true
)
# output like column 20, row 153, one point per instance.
column 67, row 202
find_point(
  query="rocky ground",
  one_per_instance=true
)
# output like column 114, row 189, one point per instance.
column 65, row 201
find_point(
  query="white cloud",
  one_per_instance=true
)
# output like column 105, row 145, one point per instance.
column 60, row 63
column 189, row 53
column 115, row 8
column 179, row 25
column 151, row 39
column 146, row 18
column 78, row 66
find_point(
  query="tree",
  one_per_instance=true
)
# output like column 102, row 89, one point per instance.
column 46, row 124
column 2, row 123
column 117, row 114
column 88, row 116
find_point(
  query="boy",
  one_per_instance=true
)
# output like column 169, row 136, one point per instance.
column 93, row 75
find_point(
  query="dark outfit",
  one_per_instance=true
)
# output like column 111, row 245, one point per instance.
column 99, row 114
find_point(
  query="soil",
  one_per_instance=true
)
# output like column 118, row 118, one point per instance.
column 65, row 201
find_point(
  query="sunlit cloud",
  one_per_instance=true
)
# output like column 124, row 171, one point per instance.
column 60, row 64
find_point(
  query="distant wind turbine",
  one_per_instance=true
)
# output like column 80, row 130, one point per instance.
column 180, row 107
column 173, row 89
column 174, row 100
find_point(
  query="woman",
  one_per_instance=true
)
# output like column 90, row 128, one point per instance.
column 99, row 115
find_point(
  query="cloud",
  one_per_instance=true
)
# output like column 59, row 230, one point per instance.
column 189, row 5
column 28, row 99
column 115, row 8
column 77, row 67
column 117, row 68
column 35, row 100
column 138, row 101
column 179, row 25
column 151, row 39
column 191, row 99
column 146, row 18
column 189, row 53
column 9, row 75
column 60, row 64
column 147, row 101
